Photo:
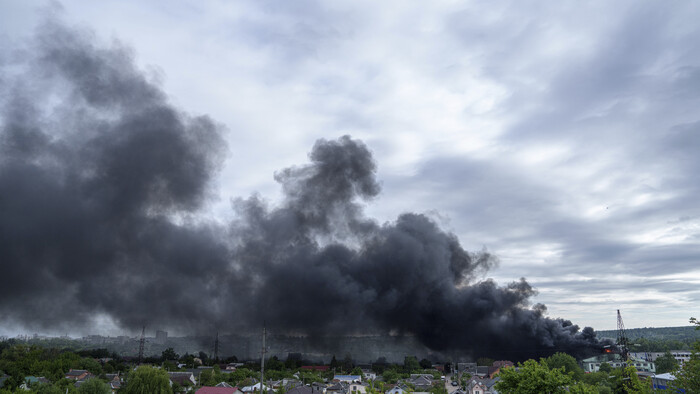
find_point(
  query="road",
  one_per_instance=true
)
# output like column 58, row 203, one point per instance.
column 448, row 384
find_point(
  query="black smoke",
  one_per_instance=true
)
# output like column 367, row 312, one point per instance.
column 103, row 183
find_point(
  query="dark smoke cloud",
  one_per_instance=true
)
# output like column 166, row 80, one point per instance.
column 95, row 166
column 102, row 182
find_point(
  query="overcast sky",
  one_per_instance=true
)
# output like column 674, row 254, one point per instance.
column 561, row 136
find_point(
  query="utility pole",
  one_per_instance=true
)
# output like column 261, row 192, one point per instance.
column 216, row 348
column 262, row 359
column 141, row 343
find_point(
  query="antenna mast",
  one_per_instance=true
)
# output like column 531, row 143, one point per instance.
column 141, row 343
column 622, row 341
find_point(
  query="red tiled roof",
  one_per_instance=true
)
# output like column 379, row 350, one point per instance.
column 216, row 390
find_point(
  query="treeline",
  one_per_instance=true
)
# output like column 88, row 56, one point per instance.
column 660, row 339
column 19, row 361
column 560, row 373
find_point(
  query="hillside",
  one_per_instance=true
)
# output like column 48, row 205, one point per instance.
column 653, row 339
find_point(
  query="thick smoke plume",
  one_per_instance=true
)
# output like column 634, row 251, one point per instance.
column 102, row 183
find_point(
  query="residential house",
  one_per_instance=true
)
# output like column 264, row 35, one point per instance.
column 398, row 389
column 114, row 381
column 183, row 378
column 217, row 390
column 368, row 374
column 469, row 368
column 498, row 366
column 29, row 381
column 337, row 388
column 318, row 387
column 306, row 390
column 476, row 387
column 77, row 374
column 254, row 388
column 196, row 372
column 347, row 378
column 287, row 384
column 357, row 388
column 482, row 371
column 481, row 386
column 274, row 384
column 301, row 390
column 421, row 382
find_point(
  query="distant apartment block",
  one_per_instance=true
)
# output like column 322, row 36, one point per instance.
column 161, row 337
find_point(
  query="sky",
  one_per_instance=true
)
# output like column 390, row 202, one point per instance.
column 559, row 136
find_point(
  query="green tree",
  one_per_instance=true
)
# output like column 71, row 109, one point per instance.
column 348, row 365
column 356, row 371
column 425, row 364
column 47, row 388
column 688, row 376
column 66, row 386
column 438, row 389
column 605, row 367
column 625, row 380
column 169, row 354
column 148, row 380
column 563, row 360
column 274, row 364
column 218, row 375
column 206, row 378
column 464, row 379
column 485, row 361
column 239, row 375
column 390, row 376
column 582, row 388
column 410, row 364
column 169, row 366
column 94, row 386
column 188, row 360
column 597, row 379
column 277, row 375
column 91, row 365
column 380, row 365
column 532, row 377
column 604, row 390
column 665, row 363
column 308, row 377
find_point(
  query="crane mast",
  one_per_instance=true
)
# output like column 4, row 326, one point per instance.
column 622, row 341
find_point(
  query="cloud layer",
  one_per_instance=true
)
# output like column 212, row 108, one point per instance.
column 560, row 136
